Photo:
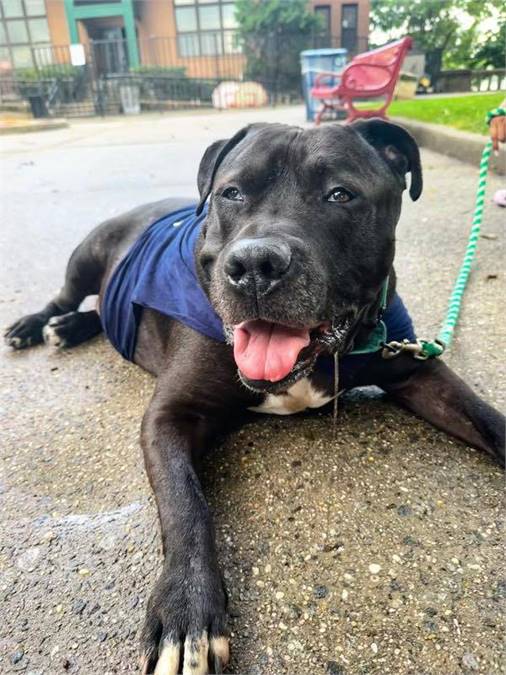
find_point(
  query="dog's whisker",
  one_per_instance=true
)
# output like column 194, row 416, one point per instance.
column 336, row 395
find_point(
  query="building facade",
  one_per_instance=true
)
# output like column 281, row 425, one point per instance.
column 347, row 23
column 198, row 35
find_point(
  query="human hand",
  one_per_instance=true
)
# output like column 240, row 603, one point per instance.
column 498, row 131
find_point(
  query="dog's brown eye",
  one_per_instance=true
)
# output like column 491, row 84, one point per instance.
column 339, row 195
column 233, row 194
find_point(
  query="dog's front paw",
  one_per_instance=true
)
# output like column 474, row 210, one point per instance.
column 25, row 332
column 185, row 626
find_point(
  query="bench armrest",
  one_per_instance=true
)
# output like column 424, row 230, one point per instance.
column 321, row 77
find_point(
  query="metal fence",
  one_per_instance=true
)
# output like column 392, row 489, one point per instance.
column 172, row 74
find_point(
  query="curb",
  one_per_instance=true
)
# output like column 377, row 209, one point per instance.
column 462, row 145
column 31, row 125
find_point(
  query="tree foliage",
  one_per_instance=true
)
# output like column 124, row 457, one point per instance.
column 447, row 29
column 492, row 51
column 272, row 34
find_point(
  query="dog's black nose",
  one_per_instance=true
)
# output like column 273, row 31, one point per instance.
column 255, row 266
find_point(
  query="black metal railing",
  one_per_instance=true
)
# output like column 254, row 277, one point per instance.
column 168, row 77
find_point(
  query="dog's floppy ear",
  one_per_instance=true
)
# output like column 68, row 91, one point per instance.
column 397, row 147
column 210, row 162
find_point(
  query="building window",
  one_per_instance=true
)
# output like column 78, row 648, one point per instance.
column 349, row 27
column 23, row 30
column 324, row 14
column 322, row 38
column 205, row 27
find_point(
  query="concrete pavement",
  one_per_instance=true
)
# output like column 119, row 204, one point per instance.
column 462, row 145
column 377, row 552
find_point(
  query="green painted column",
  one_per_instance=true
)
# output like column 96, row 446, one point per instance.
column 71, row 21
column 131, row 36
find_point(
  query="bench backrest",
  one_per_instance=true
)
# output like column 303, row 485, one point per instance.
column 390, row 57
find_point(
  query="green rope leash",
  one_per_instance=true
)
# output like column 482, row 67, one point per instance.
column 447, row 330
column 431, row 349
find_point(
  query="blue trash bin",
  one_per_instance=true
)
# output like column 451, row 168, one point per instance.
column 312, row 62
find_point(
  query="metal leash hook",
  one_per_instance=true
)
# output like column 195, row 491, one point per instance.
column 392, row 349
column 420, row 350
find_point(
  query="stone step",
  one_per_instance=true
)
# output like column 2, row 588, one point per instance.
column 78, row 105
column 15, row 105
column 9, row 114
column 84, row 108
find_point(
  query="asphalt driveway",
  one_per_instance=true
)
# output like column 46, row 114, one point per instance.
column 379, row 551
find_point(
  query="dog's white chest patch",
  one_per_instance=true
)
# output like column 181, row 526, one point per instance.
column 298, row 398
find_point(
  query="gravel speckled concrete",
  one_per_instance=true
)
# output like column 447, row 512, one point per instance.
column 379, row 551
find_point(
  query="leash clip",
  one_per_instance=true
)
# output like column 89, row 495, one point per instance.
column 420, row 350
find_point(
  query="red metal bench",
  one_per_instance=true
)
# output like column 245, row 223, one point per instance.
column 369, row 75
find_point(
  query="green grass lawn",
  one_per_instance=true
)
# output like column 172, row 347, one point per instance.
column 461, row 112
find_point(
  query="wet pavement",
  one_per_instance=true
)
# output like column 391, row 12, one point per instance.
column 379, row 551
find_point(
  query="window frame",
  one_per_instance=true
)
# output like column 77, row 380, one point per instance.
column 9, row 46
column 200, row 35
column 325, row 10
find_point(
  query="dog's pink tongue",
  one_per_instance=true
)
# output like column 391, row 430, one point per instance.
column 267, row 351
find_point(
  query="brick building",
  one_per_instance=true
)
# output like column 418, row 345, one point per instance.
column 196, row 34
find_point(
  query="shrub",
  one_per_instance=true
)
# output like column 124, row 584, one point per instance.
column 70, row 80
column 171, row 83
column 159, row 71
column 55, row 71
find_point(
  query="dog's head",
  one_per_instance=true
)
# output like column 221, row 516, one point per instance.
column 300, row 237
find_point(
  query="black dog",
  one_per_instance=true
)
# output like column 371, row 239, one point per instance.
column 293, row 256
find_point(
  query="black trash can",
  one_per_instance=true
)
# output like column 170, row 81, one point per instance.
column 38, row 105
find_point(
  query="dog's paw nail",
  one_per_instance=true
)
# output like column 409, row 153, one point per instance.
column 146, row 663
column 14, row 342
column 195, row 655
column 220, row 649
column 51, row 337
column 168, row 661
